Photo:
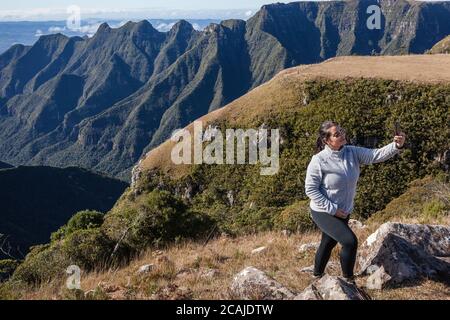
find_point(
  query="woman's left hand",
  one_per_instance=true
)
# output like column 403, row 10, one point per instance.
column 400, row 140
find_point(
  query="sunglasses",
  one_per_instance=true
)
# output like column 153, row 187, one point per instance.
column 339, row 132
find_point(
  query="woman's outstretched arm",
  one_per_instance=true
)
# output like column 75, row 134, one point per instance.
column 369, row 156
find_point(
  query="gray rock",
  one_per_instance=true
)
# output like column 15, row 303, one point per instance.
column 331, row 288
column 405, row 252
column 434, row 239
column 310, row 293
column 259, row 250
column 252, row 283
column 146, row 268
column 331, row 266
column 309, row 269
column 208, row 273
column 378, row 279
column 230, row 197
column 136, row 174
column 308, row 246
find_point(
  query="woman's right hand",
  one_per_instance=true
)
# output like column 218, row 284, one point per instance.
column 341, row 214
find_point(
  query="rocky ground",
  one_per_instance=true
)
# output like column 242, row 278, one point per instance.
column 395, row 261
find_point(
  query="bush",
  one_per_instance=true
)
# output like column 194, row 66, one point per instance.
column 154, row 219
column 295, row 218
column 41, row 264
column 83, row 220
column 427, row 200
column 253, row 220
column 7, row 268
column 88, row 249
column 11, row 290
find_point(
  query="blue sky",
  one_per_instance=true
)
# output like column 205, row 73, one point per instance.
column 32, row 10
column 166, row 4
column 56, row 9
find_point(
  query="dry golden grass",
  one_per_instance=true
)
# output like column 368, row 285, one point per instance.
column 179, row 270
column 427, row 290
column 442, row 46
column 415, row 68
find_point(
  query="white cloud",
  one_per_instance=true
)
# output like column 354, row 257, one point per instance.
column 89, row 29
column 164, row 27
column 38, row 33
column 56, row 29
column 197, row 27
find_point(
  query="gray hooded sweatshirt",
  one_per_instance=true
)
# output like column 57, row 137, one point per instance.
column 332, row 176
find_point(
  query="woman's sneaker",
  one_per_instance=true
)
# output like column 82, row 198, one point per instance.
column 318, row 276
column 310, row 270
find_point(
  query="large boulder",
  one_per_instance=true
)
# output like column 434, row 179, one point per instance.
column 251, row 284
column 399, row 252
column 254, row 284
column 332, row 288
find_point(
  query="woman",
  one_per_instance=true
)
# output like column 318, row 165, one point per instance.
column 331, row 180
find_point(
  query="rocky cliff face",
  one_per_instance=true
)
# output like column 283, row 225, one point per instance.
column 102, row 102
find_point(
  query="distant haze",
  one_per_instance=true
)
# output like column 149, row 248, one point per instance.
column 28, row 32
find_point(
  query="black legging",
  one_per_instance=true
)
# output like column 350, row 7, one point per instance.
column 335, row 230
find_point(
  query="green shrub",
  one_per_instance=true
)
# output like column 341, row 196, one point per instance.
column 41, row 264
column 427, row 200
column 253, row 220
column 295, row 218
column 82, row 220
column 11, row 290
column 434, row 210
column 88, row 249
column 7, row 268
column 154, row 219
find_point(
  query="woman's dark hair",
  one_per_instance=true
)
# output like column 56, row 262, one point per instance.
column 324, row 134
